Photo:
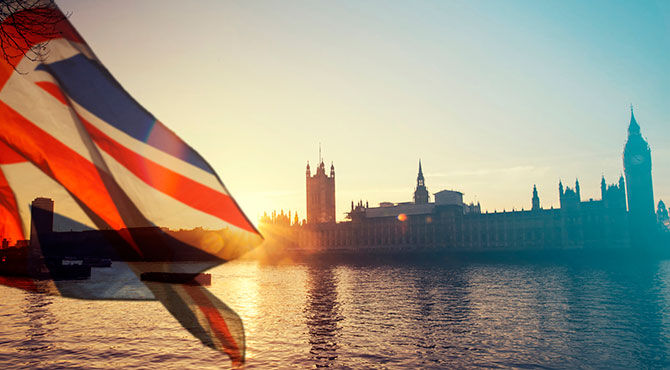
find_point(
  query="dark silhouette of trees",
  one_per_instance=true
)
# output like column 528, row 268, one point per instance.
column 26, row 24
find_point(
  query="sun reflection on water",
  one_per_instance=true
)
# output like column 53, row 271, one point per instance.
column 392, row 315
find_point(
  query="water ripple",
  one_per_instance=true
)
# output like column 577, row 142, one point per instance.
column 544, row 315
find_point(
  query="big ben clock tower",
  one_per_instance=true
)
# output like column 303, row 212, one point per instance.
column 639, row 188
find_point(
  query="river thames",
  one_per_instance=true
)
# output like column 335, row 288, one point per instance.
column 371, row 315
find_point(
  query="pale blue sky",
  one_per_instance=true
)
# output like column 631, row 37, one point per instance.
column 493, row 96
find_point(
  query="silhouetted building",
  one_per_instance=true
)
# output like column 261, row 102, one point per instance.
column 41, row 216
column 449, row 197
column 569, row 198
column 536, row 199
column 662, row 215
column 420, row 193
column 472, row 208
column 403, row 210
column 613, row 195
column 449, row 223
column 280, row 219
column 320, row 194
column 639, row 187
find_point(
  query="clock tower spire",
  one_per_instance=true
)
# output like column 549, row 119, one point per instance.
column 639, row 187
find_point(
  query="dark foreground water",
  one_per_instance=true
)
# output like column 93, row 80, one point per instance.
column 403, row 315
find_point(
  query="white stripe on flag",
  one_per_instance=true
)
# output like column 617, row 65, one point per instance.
column 28, row 183
column 161, row 209
column 147, row 151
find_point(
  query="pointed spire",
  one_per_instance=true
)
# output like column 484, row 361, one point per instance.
column 420, row 170
column 320, row 158
column 577, row 190
column 421, row 194
column 633, row 128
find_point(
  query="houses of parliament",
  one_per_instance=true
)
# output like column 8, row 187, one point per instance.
column 625, row 216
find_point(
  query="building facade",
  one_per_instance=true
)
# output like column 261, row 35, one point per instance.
column 617, row 220
column 420, row 193
column 639, row 185
column 41, row 216
column 449, row 226
column 320, row 194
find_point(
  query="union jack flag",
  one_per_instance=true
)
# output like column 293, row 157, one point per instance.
column 70, row 132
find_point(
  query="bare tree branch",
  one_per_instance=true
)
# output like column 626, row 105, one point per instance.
column 26, row 27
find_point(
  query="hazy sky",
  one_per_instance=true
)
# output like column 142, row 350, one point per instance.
column 493, row 96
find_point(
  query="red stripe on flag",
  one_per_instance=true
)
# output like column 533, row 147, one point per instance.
column 163, row 179
column 217, row 323
column 9, row 156
column 35, row 29
column 181, row 188
column 54, row 90
column 77, row 174
column 11, row 227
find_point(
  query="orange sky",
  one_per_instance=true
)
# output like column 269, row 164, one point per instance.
column 493, row 97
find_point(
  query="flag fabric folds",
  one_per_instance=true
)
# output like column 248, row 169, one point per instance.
column 70, row 133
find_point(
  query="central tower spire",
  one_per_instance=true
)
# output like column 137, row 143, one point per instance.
column 419, row 179
column 320, row 157
column 421, row 193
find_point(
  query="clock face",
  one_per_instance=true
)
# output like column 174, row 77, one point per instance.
column 637, row 159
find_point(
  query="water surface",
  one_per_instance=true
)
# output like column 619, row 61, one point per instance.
column 388, row 315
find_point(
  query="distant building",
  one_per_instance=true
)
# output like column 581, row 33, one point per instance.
column 639, row 187
column 320, row 194
column 421, row 193
column 621, row 217
column 662, row 215
column 280, row 219
column 42, row 216
column 420, row 206
column 472, row 208
column 450, row 224
column 449, row 197
column 569, row 198
column 535, row 201
column 613, row 195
